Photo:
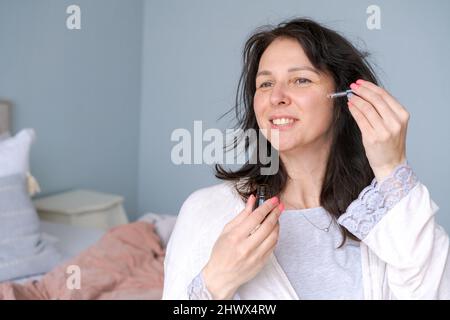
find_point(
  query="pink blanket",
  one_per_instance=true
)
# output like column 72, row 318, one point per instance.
column 126, row 263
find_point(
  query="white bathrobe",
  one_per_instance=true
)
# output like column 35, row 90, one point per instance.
column 404, row 256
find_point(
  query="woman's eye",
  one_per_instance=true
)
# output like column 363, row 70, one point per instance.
column 265, row 84
column 302, row 80
column 297, row 81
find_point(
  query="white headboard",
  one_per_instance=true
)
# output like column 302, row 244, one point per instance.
column 5, row 116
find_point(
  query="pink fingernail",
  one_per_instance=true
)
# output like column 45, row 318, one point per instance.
column 354, row 86
column 274, row 200
column 359, row 81
column 281, row 207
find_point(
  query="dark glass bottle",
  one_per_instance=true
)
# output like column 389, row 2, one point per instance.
column 261, row 194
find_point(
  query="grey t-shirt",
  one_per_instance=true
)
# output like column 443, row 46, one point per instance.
column 310, row 258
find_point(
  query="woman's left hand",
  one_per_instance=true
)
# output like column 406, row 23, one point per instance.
column 383, row 123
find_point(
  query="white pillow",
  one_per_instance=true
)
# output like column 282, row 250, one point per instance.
column 15, row 152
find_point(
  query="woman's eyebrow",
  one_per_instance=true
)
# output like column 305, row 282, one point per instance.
column 304, row 68
column 268, row 73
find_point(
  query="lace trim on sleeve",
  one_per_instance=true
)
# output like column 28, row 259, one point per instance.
column 197, row 289
column 377, row 199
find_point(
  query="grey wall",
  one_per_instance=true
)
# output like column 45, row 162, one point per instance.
column 191, row 63
column 79, row 89
column 104, row 100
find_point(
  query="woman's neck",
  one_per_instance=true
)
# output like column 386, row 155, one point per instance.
column 306, row 172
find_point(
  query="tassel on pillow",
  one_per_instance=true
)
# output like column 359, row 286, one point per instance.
column 33, row 186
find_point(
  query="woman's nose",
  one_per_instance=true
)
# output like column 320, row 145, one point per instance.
column 279, row 95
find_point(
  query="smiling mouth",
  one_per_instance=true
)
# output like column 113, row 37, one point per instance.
column 282, row 123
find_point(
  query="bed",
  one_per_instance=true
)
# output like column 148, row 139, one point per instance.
column 124, row 262
column 68, row 239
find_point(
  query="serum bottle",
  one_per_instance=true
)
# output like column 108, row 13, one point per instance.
column 261, row 194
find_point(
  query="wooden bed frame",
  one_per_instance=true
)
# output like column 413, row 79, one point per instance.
column 5, row 117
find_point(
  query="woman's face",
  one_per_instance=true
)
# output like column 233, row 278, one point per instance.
column 289, row 87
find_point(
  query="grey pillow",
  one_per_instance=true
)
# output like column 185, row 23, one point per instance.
column 23, row 251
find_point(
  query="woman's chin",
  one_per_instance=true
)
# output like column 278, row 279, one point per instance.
column 285, row 146
column 282, row 141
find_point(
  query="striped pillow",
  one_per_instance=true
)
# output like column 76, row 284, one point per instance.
column 23, row 252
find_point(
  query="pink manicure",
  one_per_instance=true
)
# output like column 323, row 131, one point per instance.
column 359, row 81
column 274, row 200
column 354, row 86
column 281, row 207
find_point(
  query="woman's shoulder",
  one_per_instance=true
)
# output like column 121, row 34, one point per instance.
column 216, row 190
column 217, row 194
column 212, row 203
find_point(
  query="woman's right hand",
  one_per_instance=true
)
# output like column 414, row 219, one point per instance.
column 240, row 252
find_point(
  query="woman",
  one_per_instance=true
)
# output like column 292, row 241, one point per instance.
column 348, row 218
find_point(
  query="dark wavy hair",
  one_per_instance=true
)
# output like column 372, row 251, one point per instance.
column 348, row 171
